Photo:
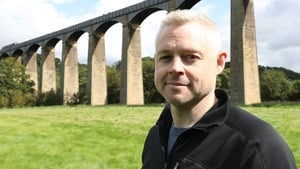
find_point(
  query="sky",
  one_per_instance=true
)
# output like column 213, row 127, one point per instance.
column 277, row 25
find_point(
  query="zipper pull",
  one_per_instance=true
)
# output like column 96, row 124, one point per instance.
column 176, row 165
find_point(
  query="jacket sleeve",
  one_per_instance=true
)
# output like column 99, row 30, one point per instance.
column 153, row 153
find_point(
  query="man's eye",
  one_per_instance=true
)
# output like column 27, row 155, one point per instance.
column 165, row 57
column 191, row 58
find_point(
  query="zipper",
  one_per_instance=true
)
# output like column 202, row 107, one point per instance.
column 171, row 154
column 179, row 140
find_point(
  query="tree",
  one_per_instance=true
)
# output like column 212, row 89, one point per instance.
column 58, row 71
column 16, row 89
column 82, row 72
column 113, row 83
column 223, row 80
column 295, row 93
column 274, row 85
column 151, row 95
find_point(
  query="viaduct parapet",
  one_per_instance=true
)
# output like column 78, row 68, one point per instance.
column 243, row 53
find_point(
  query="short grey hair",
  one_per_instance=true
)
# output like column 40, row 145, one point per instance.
column 180, row 17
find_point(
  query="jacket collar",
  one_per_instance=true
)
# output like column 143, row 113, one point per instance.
column 215, row 116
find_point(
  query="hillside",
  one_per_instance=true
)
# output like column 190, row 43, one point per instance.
column 289, row 73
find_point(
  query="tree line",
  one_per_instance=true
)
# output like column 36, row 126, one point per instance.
column 16, row 88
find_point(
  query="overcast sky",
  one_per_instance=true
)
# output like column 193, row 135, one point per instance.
column 277, row 25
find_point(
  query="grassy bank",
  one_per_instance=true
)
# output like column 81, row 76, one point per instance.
column 108, row 137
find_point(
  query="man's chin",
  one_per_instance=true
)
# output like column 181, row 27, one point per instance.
column 177, row 101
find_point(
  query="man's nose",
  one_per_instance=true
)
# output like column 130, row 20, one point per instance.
column 176, row 66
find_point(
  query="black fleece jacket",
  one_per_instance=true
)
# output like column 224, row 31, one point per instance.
column 225, row 138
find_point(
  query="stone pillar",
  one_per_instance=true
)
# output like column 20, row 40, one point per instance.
column 30, row 62
column 131, row 67
column 48, row 71
column 69, row 76
column 245, row 87
column 96, row 84
column 19, row 59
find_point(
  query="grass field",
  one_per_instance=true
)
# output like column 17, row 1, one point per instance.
column 105, row 137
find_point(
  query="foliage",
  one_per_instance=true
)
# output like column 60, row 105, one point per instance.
column 274, row 85
column 72, row 99
column 16, row 89
column 49, row 98
column 113, row 83
column 58, row 70
column 295, row 94
column 286, row 84
column 82, row 72
column 151, row 95
column 223, row 79
column 67, row 137
column 291, row 75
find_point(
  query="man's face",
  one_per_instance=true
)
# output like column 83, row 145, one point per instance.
column 185, row 69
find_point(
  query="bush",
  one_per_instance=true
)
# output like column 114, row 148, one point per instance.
column 17, row 98
column 274, row 86
column 49, row 98
column 4, row 101
column 295, row 94
column 16, row 88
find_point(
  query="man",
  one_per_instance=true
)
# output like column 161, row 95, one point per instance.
column 199, row 128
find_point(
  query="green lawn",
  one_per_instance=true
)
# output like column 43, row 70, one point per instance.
column 105, row 137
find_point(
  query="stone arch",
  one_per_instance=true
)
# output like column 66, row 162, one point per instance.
column 18, row 54
column 4, row 55
column 48, row 69
column 97, row 83
column 30, row 62
column 69, row 77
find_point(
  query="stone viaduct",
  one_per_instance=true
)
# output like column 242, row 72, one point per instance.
column 244, row 68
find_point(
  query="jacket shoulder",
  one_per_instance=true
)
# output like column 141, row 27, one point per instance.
column 270, row 148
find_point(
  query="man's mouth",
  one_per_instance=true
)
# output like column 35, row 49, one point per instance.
column 176, row 83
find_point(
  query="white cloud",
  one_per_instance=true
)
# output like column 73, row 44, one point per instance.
column 278, row 38
column 149, row 28
column 61, row 1
column 24, row 20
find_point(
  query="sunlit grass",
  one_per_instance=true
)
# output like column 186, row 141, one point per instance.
column 105, row 137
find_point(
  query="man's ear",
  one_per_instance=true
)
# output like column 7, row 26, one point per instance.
column 221, row 60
